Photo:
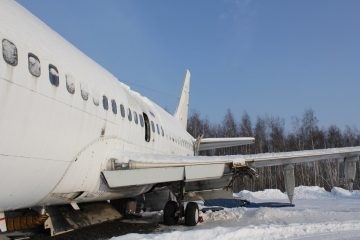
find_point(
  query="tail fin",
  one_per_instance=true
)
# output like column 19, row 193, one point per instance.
column 183, row 107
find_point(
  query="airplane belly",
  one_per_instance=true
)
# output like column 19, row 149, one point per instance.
column 26, row 181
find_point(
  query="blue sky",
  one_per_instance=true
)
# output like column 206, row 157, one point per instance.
column 274, row 58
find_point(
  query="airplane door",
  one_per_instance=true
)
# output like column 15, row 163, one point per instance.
column 147, row 128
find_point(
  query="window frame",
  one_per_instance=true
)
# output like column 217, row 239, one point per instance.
column 141, row 118
column 152, row 126
column 105, row 103
column 122, row 110
column 113, row 106
column 158, row 129
column 136, row 119
column 68, row 77
column 84, row 91
column 54, row 80
column 31, row 55
column 15, row 63
column 130, row 115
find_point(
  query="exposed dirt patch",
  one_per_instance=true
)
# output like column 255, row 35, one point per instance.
column 103, row 231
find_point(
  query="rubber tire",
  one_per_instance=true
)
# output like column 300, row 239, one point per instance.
column 170, row 217
column 191, row 214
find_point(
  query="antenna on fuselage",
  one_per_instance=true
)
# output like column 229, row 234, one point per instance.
column 182, row 110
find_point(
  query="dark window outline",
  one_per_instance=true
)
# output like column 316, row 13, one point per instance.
column 152, row 126
column 96, row 100
column 147, row 128
column 105, row 102
column 129, row 115
column 54, row 80
column 158, row 129
column 36, row 58
column 136, row 120
column 84, row 92
column 67, row 84
column 162, row 132
column 16, row 52
column 114, row 106
column 122, row 110
column 141, row 118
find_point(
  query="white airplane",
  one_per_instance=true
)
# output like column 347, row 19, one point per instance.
column 73, row 135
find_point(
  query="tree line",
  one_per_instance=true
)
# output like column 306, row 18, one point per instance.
column 271, row 136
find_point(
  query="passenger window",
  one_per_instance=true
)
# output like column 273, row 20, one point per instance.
column 105, row 103
column 84, row 91
column 129, row 115
column 136, row 120
column 53, row 75
column 34, row 65
column 141, row 120
column 70, row 83
column 9, row 52
column 96, row 97
column 157, row 128
column 114, row 106
column 152, row 126
column 122, row 110
column 162, row 131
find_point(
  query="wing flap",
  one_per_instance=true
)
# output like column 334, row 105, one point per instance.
column 190, row 173
column 124, row 178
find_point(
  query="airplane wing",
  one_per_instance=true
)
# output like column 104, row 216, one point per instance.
column 213, row 143
column 139, row 169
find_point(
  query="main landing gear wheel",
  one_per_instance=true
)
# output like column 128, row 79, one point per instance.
column 171, row 215
column 191, row 214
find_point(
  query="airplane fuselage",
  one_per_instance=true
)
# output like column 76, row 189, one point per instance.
column 63, row 117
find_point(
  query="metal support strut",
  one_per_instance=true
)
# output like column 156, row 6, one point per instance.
column 350, row 171
column 289, row 177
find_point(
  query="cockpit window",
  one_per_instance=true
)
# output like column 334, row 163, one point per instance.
column 53, row 75
column 9, row 52
column 34, row 65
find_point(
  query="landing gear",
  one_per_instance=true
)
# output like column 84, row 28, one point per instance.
column 171, row 213
column 174, row 210
column 191, row 214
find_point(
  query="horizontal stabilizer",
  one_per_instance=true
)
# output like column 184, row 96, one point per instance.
column 214, row 143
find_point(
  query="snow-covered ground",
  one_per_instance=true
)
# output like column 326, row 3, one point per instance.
column 317, row 215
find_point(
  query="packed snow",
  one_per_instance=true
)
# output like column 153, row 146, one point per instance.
column 317, row 214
